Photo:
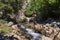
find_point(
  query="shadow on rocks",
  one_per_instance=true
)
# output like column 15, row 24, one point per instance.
column 2, row 37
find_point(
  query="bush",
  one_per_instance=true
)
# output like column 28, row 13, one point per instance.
column 44, row 8
column 33, row 6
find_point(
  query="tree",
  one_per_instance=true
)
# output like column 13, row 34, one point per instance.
column 43, row 8
column 12, row 6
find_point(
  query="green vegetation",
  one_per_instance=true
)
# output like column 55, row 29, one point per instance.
column 43, row 9
column 34, row 6
column 4, row 28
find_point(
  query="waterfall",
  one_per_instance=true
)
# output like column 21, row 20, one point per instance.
column 28, row 19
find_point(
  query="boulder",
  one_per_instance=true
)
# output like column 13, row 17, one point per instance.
column 57, row 36
column 20, row 17
column 46, row 38
column 14, row 27
column 30, row 25
column 10, row 24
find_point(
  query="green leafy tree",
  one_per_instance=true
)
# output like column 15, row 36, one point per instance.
column 43, row 8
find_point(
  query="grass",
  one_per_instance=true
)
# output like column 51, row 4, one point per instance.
column 4, row 28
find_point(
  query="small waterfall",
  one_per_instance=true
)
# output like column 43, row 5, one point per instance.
column 35, row 36
column 28, row 19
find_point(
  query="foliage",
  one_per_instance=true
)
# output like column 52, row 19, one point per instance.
column 44, row 8
column 33, row 6
column 41, row 7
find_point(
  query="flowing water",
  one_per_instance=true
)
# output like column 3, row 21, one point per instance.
column 35, row 36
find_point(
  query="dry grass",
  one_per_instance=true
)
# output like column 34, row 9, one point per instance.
column 4, row 28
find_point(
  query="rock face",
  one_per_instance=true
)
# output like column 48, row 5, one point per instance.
column 20, row 17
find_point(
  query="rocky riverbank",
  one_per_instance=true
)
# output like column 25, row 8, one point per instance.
column 50, row 30
column 29, row 30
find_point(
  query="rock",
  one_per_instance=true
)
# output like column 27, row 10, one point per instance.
column 10, row 24
column 48, row 32
column 57, row 37
column 30, row 25
column 15, row 36
column 20, row 17
column 17, row 33
column 14, row 27
column 19, row 37
column 46, row 38
column 45, row 29
column 49, row 25
column 38, row 26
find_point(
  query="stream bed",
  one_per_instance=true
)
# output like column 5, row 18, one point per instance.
column 35, row 36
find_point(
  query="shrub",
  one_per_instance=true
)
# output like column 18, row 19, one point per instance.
column 44, row 8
